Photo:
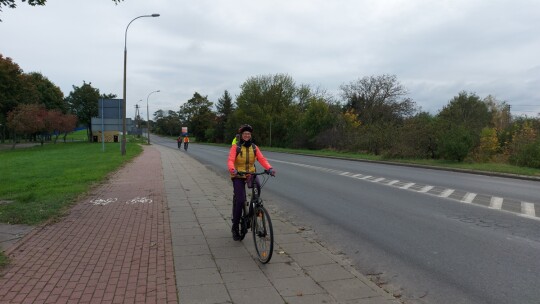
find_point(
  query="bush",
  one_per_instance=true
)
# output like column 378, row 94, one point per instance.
column 455, row 144
column 527, row 156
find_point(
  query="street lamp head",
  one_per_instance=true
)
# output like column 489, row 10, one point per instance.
column 155, row 15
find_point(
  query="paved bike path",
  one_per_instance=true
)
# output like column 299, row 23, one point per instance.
column 158, row 231
column 212, row 268
column 114, row 246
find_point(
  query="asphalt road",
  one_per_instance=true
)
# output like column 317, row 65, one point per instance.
column 432, row 236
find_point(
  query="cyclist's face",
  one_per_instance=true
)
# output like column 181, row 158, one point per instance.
column 246, row 135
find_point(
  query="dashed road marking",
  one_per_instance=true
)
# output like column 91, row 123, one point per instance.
column 496, row 202
column 527, row 209
column 407, row 186
column 425, row 189
column 469, row 198
column 393, row 182
column 446, row 193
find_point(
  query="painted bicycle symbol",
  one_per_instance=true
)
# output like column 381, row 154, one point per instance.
column 139, row 200
column 103, row 202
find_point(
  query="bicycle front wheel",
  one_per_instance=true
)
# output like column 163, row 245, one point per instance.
column 263, row 235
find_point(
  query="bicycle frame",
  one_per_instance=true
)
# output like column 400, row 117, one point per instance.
column 258, row 219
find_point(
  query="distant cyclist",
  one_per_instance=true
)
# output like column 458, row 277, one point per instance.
column 186, row 142
column 242, row 158
column 179, row 141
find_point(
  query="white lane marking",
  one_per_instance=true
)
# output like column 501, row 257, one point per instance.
column 446, row 193
column 496, row 202
column 528, row 209
column 469, row 197
column 407, row 186
column 426, row 189
column 378, row 179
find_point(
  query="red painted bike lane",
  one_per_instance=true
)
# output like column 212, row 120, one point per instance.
column 114, row 246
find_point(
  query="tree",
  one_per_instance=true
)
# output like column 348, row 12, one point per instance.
column 197, row 111
column 168, row 124
column 83, row 102
column 377, row 98
column 465, row 113
column 457, row 143
column 525, row 147
column 11, row 86
column 66, row 124
column 501, row 118
column 318, row 117
column 48, row 93
column 12, row 4
column 489, row 145
column 381, row 105
column 26, row 119
column 266, row 102
column 225, row 108
column 415, row 139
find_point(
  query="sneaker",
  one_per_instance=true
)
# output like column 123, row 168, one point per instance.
column 235, row 233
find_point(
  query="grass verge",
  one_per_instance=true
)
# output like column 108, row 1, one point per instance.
column 475, row 167
column 39, row 183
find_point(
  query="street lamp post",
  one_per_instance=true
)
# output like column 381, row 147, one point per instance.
column 148, row 116
column 123, row 145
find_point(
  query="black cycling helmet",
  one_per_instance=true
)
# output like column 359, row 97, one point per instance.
column 245, row 127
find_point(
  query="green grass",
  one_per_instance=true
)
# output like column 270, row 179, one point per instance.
column 40, row 183
column 478, row 167
column 483, row 167
column 74, row 136
column 3, row 260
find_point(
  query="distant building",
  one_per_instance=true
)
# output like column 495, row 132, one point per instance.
column 108, row 124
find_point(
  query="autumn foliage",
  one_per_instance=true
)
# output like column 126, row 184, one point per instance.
column 36, row 121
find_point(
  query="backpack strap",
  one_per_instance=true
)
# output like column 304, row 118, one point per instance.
column 239, row 148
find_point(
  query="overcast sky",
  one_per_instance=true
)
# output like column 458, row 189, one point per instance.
column 436, row 48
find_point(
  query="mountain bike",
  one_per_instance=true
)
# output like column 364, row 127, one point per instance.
column 257, row 218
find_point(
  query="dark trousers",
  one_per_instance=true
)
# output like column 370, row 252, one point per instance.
column 239, row 186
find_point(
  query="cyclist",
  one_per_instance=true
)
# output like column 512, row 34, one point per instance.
column 186, row 142
column 179, row 141
column 242, row 157
column 236, row 139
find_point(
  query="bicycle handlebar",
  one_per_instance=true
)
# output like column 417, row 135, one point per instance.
column 242, row 173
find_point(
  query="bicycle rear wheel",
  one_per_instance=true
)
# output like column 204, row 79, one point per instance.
column 263, row 234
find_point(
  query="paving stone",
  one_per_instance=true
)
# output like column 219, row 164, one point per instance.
column 204, row 294
column 246, row 279
column 294, row 286
column 310, row 299
column 259, row 295
column 236, row 264
column 328, row 272
column 193, row 261
column 200, row 276
column 349, row 289
column 312, row 259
